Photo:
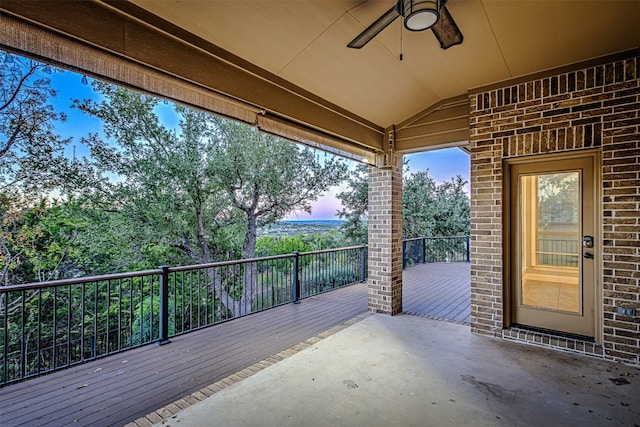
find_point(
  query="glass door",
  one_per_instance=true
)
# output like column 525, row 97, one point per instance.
column 552, row 253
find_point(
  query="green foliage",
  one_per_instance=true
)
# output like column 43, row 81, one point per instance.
column 330, row 271
column 329, row 240
column 266, row 178
column 155, row 183
column 148, row 195
column 202, row 189
column 431, row 209
column 268, row 246
column 40, row 243
column 32, row 160
column 355, row 205
column 428, row 208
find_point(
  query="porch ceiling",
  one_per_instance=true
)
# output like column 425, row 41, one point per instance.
column 304, row 42
column 292, row 63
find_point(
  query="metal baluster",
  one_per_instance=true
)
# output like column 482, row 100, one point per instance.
column 119, row 314
column 94, row 337
column 199, row 296
column 141, row 299
column 5, row 355
column 228, row 288
column 82, row 322
column 23, row 344
column 130, row 280
column 108, row 301
column 38, row 365
column 69, row 327
column 175, row 302
column 55, row 326
column 190, row 300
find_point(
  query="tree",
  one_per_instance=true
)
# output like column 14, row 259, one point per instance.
column 202, row 188
column 32, row 160
column 266, row 178
column 428, row 208
column 355, row 205
column 33, row 165
column 40, row 243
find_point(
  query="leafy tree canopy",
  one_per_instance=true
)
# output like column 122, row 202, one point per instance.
column 32, row 160
column 428, row 208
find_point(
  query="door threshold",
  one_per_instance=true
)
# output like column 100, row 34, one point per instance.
column 550, row 332
column 554, row 340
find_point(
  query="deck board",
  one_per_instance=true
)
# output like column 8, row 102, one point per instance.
column 438, row 291
column 123, row 387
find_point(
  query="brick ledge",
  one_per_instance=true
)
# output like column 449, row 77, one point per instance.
column 555, row 342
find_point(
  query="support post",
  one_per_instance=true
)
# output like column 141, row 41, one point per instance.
column 296, row 278
column 468, row 248
column 164, row 306
column 385, row 235
column 423, row 249
column 404, row 254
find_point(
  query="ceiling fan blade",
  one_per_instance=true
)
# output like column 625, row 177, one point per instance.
column 446, row 30
column 372, row 30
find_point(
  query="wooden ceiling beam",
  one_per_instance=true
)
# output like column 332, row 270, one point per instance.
column 131, row 34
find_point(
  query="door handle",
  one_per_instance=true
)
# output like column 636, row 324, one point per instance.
column 588, row 255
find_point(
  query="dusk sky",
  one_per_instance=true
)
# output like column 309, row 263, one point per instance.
column 442, row 164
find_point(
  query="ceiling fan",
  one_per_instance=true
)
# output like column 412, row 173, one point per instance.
column 419, row 15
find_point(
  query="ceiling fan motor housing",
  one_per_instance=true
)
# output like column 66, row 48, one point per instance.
column 420, row 15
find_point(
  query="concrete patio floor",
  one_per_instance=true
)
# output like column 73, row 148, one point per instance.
column 413, row 371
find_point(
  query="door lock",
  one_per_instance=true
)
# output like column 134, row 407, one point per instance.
column 588, row 255
column 587, row 242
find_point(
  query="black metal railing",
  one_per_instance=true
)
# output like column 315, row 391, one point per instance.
column 435, row 249
column 51, row 325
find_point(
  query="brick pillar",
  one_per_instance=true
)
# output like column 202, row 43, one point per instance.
column 385, row 236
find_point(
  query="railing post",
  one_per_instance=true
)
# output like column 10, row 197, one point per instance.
column 363, row 263
column 468, row 248
column 164, row 306
column 296, row 279
column 424, row 248
column 404, row 252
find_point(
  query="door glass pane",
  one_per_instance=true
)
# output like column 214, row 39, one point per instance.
column 550, row 240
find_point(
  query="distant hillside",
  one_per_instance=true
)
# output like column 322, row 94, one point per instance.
column 293, row 227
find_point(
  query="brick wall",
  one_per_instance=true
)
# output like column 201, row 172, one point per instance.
column 593, row 108
column 385, row 238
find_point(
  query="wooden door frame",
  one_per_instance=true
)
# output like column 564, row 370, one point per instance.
column 507, row 232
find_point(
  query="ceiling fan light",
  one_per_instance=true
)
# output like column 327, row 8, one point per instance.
column 420, row 15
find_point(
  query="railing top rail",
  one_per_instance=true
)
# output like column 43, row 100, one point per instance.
column 77, row 280
column 227, row 263
column 118, row 276
column 324, row 251
column 446, row 237
column 249, row 260
column 433, row 237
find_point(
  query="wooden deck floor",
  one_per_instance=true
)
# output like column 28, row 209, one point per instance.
column 121, row 388
column 440, row 291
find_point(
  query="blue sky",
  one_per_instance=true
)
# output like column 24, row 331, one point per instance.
column 441, row 164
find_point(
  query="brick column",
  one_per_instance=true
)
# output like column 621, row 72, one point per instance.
column 385, row 236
